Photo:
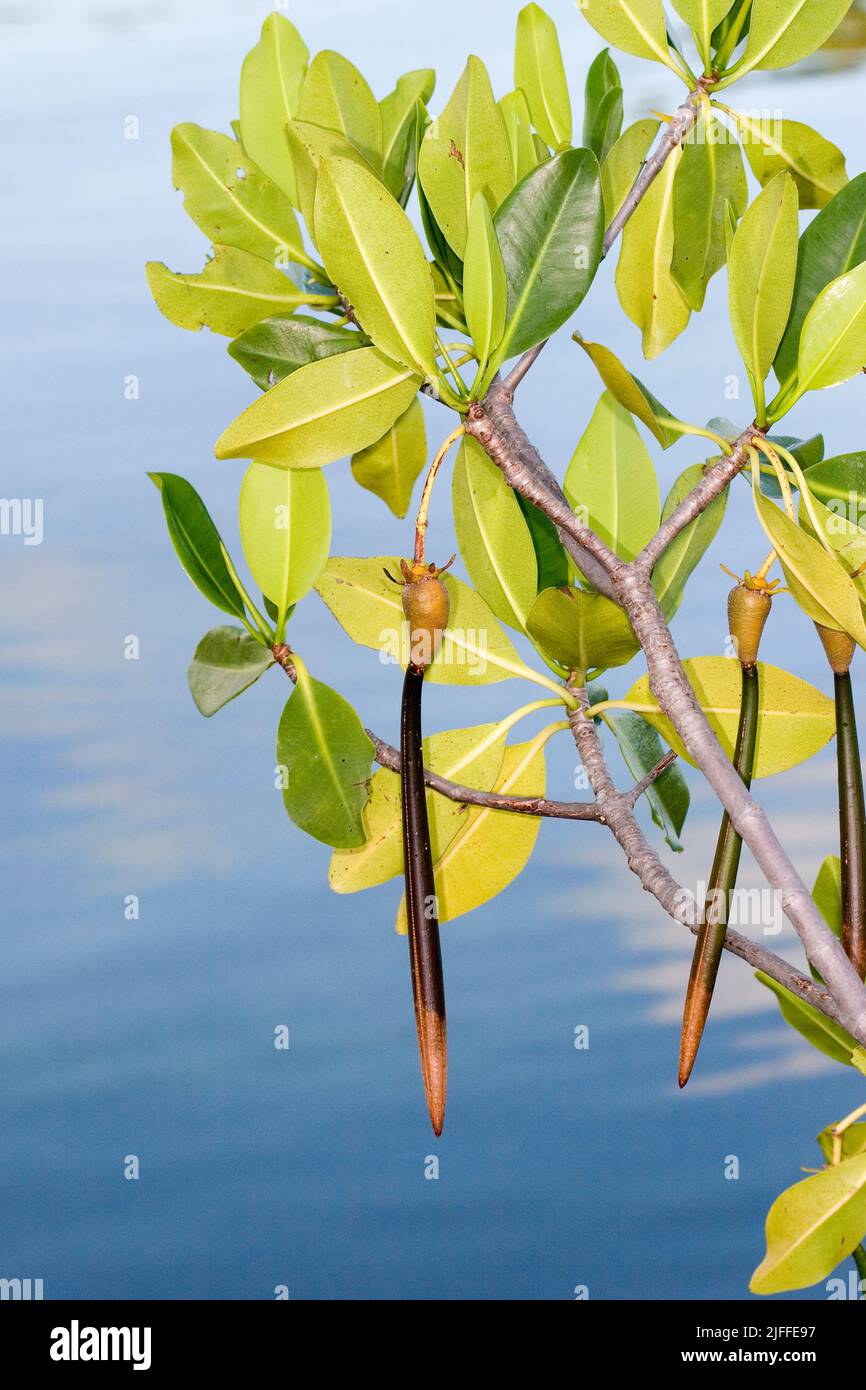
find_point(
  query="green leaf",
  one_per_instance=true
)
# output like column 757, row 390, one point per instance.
column 391, row 466
column 336, row 96
column 540, row 73
column 827, row 893
column 841, row 481
column 812, row 1227
column 772, row 147
column 648, row 293
column 493, row 847
column 550, row 556
column 783, row 32
column 763, row 265
column 234, row 291
column 833, row 341
column 518, row 129
column 368, row 606
column 685, row 553
column 464, row 152
column 722, row 31
column 844, row 538
column 611, row 480
column 623, row 164
column 853, row 1142
column 711, row 178
column 817, row 581
column 469, row 757
column 635, row 26
column 796, row 719
column 819, row 1030
column 273, row 349
column 227, row 662
column 372, row 253
column 322, row 412
column 271, row 81
column 197, row 542
column 311, row 145
column 485, row 289
column 581, row 631
column 602, row 114
column 231, row 200
column 703, row 17
column 494, row 539
column 399, row 118
column 285, row 521
column 643, row 750
column 832, row 244
column 550, row 230
column 629, row 391
column 326, row 760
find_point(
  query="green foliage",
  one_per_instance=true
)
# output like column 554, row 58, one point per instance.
column 285, row 521
column 539, row 73
column 629, row 391
column 581, row 631
column 611, row 480
column 710, row 183
column 782, row 33
column 485, row 287
column 197, row 543
column 762, row 269
column 635, row 26
column 336, row 97
column 683, row 555
column 645, row 283
column 603, row 106
column 642, row 751
column 227, row 662
column 390, row 467
column 493, row 535
column 271, row 80
column 813, row 1226
column 273, row 349
column 234, row 291
column 816, row 166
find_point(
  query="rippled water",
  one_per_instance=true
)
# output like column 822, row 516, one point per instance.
column 154, row 1037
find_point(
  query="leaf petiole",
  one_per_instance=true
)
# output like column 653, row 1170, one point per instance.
column 265, row 634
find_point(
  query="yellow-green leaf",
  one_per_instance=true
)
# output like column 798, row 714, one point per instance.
column 623, row 164
column 391, row 466
column 234, row 291
column 493, row 847
column 611, row 481
column 518, row 129
column 796, row 719
column 710, row 182
column 494, row 539
column 774, row 146
column 399, row 116
column 285, row 523
column 271, row 81
column 630, row 392
column 702, row 17
column 581, row 631
column 783, row 32
column 647, row 290
column 469, row 757
column 322, row 412
column 635, row 26
column 464, row 152
column 761, row 274
column 812, row 1227
column 485, row 288
column 833, row 341
column 310, row 145
column 335, row 95
column 372, row 254
column 540, row 73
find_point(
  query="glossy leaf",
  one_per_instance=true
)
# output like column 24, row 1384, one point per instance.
column 227, row 662
column 485, row 288
column 539, row 73
column 399, row 117
column 326, row 759
column 685, row 553
column 322, row 412
column 550, row 230
column 796, row 719
column 550, row 556
column 231, row 200
column 812, row 1227
column 703, row 17
column 464, row 152
column 623, row 164
column 603, row 106
column 630, row 392
column 273, row 349
column 271, row 80
column 833, row 341
column 763, row 265
column 368, row 606
column 469, row 757
column 832, row 244
column 841, row 480
column 234, row 291
column 643, row 750
column 817, row 581
column 495, row 543
column 336, row 96
column 647, row 290
column 611, row 480
column 772, row 147
column 518, row 130
column 711, row 180
column 581, row 631
column 197, row 542
column 635, row 26
column 391, row 466
column 493, row 847
column 818, row 1030
column 372, row 253
column 285, row 521
column 783, row 32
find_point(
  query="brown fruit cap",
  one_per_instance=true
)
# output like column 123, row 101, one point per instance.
column 840, row 649
column 748, row 611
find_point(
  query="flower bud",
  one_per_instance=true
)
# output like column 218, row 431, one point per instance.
column 427, row 606
column 748, row 611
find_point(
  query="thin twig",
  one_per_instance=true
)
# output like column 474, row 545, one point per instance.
column 634, row 796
